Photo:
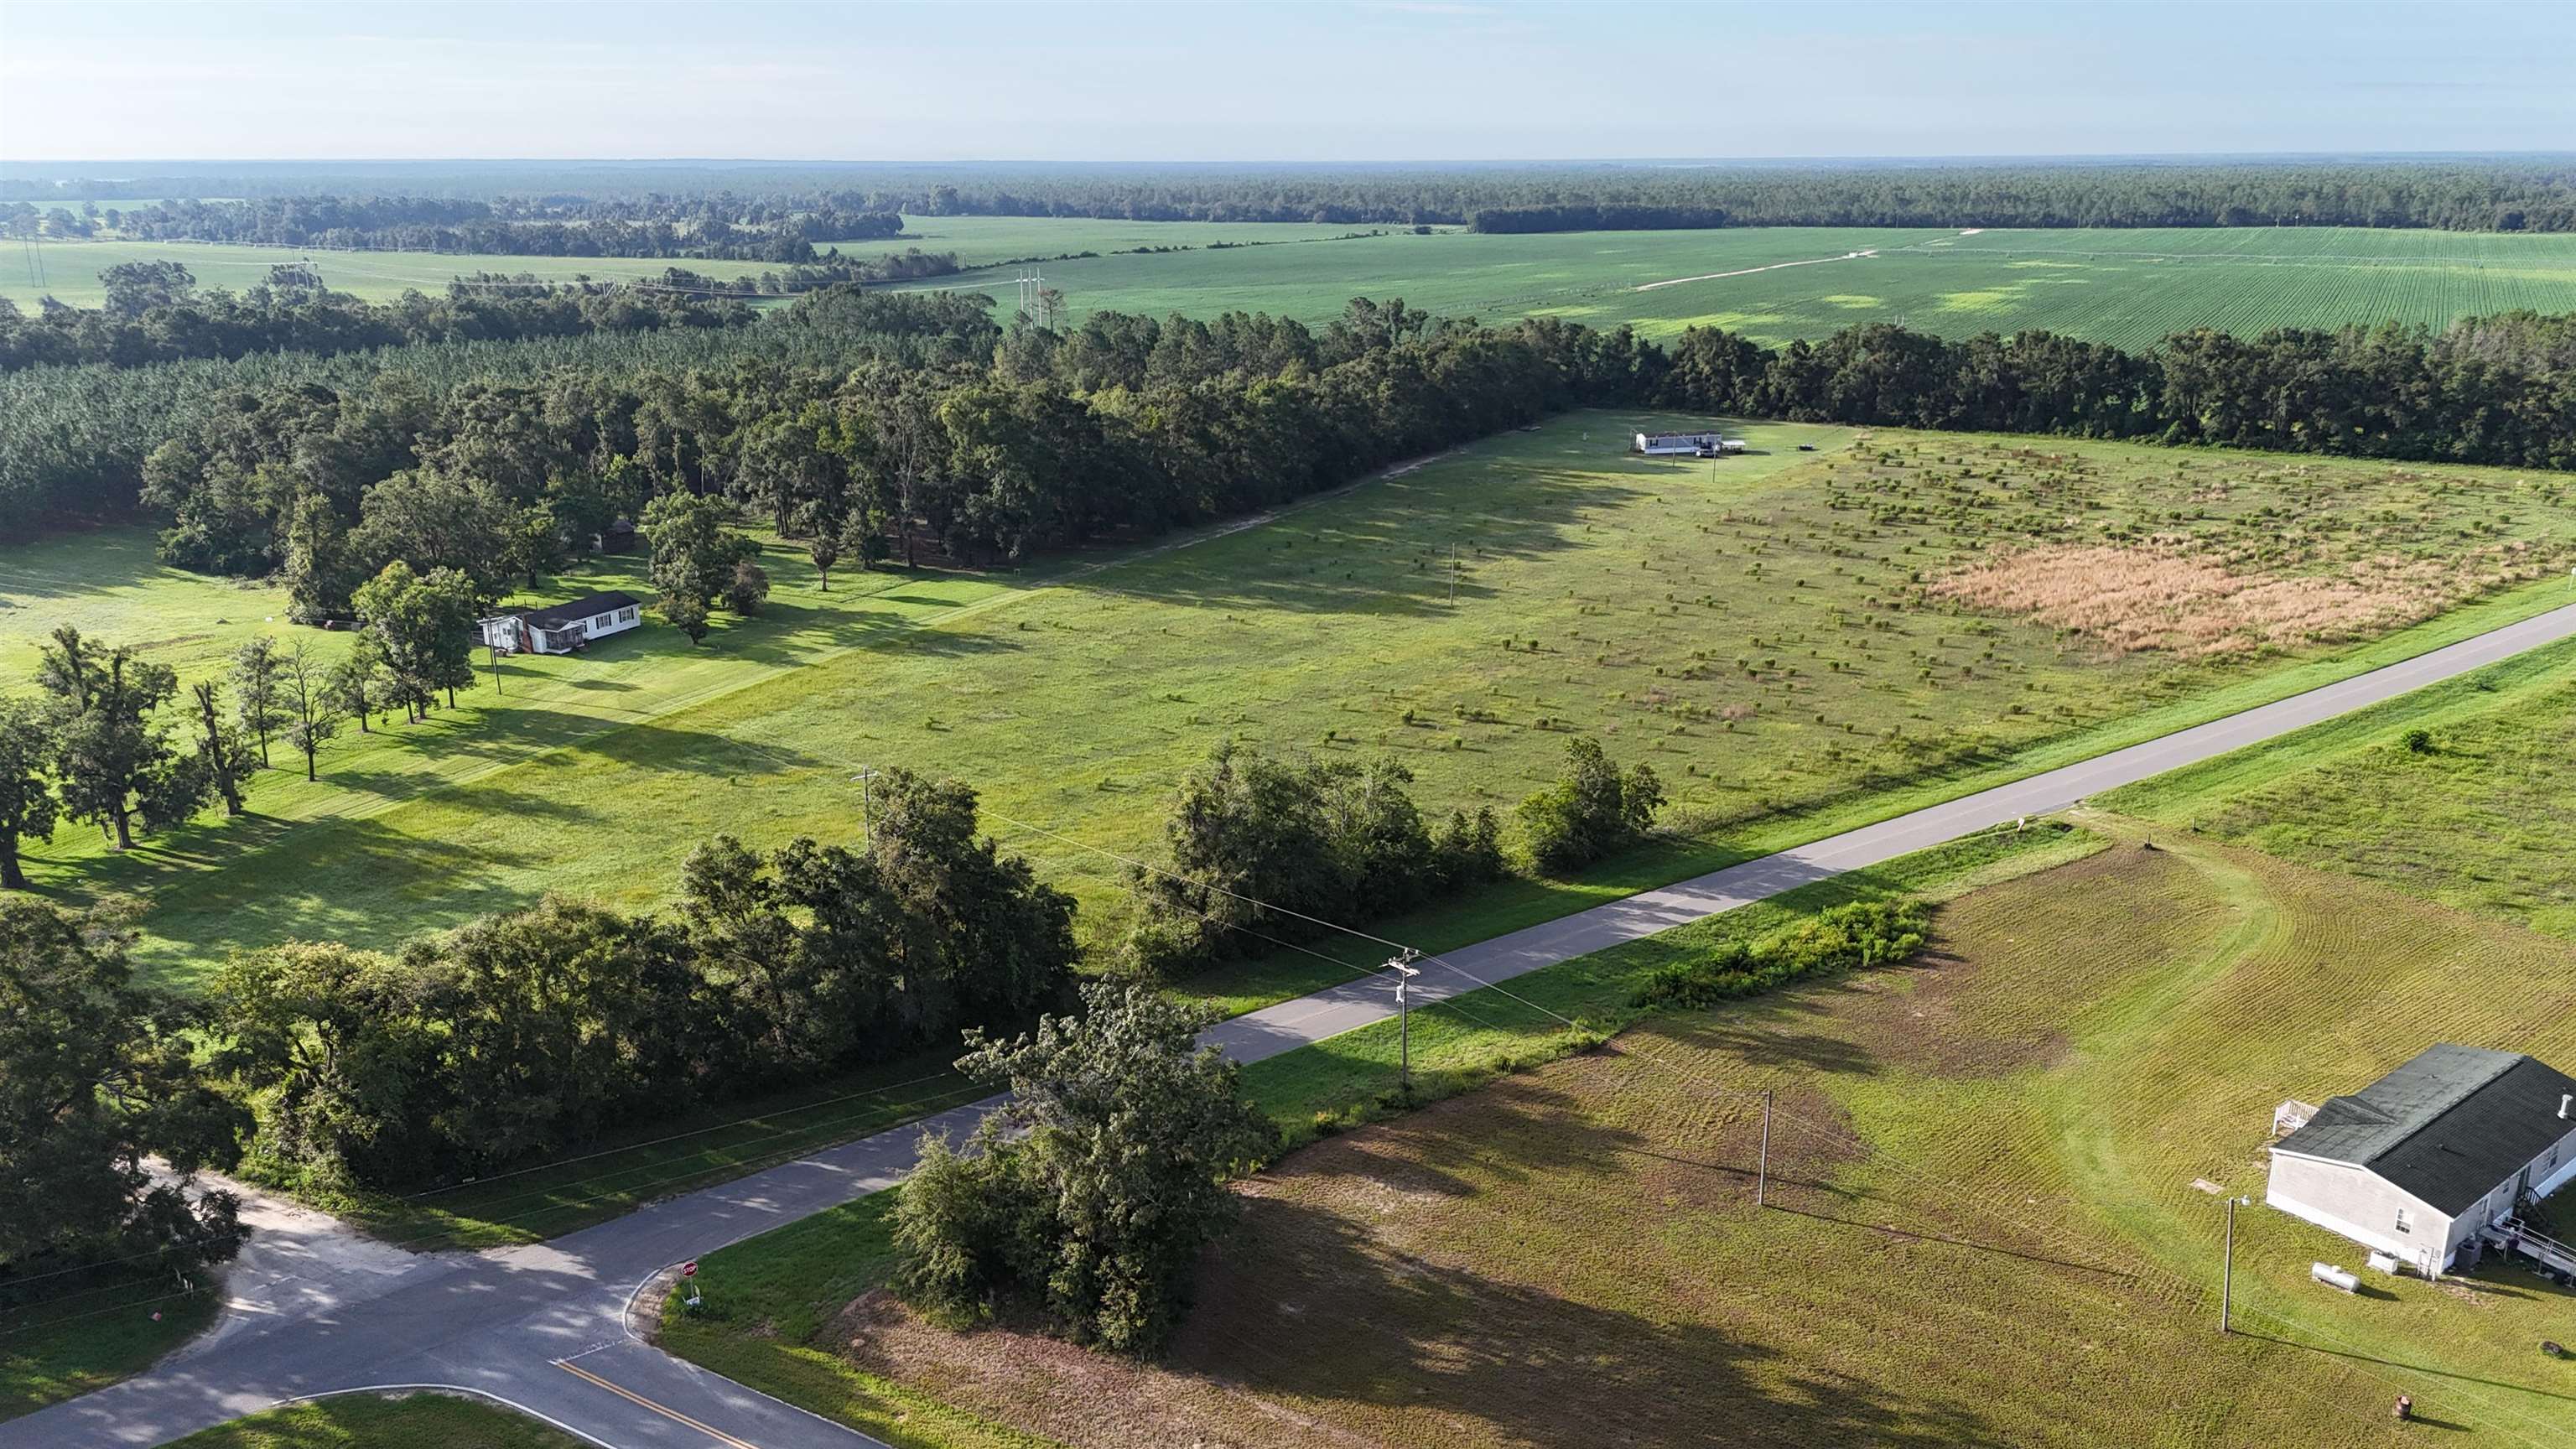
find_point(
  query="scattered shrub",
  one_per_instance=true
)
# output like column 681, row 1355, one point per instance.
column 1843, row 938
column 1591, row 811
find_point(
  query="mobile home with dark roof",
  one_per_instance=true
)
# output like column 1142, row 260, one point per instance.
column 2421, row 1162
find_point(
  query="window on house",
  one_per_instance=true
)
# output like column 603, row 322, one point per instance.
column 2404, row 1225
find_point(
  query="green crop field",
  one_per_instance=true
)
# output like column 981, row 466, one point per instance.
column 1989, row 1216
column 984, row 240
column 1766, row 631
column 2129, row 287
column 68, row 271
column 2124, row 287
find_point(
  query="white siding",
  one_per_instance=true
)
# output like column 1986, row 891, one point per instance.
column 2362, row 1206
column 2555, row 1168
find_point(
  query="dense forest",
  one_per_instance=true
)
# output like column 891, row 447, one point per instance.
column 761, row 206
column 921, row 415
column 155, row 312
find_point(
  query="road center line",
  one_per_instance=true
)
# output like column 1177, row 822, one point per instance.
column 674, row 1415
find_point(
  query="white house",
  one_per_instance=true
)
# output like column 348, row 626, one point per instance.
column 562, row 628
column 2423, row 1161
column 1685, row 445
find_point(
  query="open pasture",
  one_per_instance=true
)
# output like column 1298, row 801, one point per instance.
column 1758, row 629
column 2128, row 287
column 68, row 271
column 1984, row 1223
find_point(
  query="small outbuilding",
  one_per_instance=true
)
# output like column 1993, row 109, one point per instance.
column 562, row 628
column 2433, row 1157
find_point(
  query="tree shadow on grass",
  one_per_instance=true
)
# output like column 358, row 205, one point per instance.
column 341, row 879
column 1380, row 550
column 789, row 635
column 1332, row 1315
column 1521, row 1134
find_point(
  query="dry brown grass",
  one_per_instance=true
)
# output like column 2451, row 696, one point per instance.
column 2130, row 599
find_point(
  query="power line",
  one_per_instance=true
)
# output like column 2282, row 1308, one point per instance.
column 1967, row 1202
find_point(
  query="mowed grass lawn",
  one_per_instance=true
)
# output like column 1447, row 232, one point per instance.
column 2478, row 813
column 2128, row 287
column 1753, row 628
column 1983, row 1219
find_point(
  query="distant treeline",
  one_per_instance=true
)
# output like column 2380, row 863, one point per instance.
column 2454, row 196
column 921, row 418
column 1617, row 216
column 761, row 229
column 2498, row 389
column 155, row 313
column 759, row 205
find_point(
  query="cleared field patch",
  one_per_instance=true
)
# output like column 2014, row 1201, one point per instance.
column 2131, row 599
column 1756, row 629
column 1982, row 1221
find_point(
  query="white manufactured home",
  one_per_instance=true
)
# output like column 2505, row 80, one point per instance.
column 562, row 628
column 2436, row 1157
column 1684, row 445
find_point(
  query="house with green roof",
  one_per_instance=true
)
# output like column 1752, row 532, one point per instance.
column 2421, row 1162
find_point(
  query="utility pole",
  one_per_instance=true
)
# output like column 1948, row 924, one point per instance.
column 1453, row 573
column 1762, row 1171
column 496, row 665
column 2227, row 1269
column 1405, row 971
column 867, row 778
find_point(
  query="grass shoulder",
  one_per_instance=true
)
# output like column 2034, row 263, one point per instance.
column 370, row 1421
column 770, row 1305
column 2460, row 793
column 92, row 1335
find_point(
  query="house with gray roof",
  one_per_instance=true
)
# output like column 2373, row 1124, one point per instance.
column 2420, row 1162
column 562, row 628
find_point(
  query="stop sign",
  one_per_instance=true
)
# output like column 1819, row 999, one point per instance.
column 688, row 1270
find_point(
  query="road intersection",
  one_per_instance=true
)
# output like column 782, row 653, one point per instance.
column 549, row 1328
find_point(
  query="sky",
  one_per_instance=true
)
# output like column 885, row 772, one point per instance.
column 1295, row 80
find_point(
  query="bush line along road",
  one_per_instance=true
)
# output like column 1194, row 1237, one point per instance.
column 544, row 1327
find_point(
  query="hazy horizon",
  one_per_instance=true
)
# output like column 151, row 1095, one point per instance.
column 104, row 82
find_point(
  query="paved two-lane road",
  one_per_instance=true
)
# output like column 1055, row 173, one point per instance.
column 544, row 1327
